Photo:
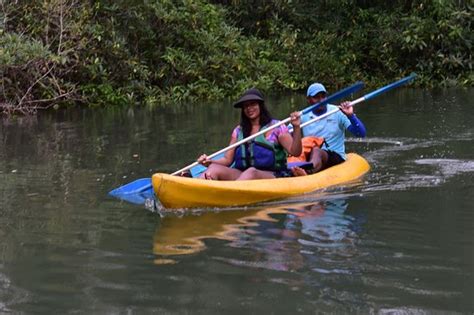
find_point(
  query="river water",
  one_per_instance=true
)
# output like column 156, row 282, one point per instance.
column 400, row 241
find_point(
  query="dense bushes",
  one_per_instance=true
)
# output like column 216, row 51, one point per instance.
column 373, row 40
column 133, row 52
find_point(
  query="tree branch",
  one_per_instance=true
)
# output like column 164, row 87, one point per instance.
column 31, row 87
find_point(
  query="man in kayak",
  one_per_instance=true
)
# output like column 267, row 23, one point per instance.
column 331, row 128
column 264, row 156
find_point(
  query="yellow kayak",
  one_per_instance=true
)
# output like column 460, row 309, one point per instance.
column 183, row 192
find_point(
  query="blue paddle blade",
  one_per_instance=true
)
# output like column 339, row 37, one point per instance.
column 390, row 86
column 141, row 189
column 135, row 187
column 199, row 169
column 135, row 192
column 138, row 198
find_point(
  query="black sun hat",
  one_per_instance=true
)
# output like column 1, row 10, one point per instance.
column 252, row 94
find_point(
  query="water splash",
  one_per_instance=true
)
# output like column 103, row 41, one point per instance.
column 448, row 167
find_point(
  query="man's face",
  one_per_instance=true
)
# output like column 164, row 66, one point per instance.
column 321, row 96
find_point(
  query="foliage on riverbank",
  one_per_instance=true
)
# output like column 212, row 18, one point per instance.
column 147, row 52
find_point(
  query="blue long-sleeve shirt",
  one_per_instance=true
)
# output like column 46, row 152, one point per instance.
column 357, row 128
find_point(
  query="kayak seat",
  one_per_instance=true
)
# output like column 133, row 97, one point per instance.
column 307, row 166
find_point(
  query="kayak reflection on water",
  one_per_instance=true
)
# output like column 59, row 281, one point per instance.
column 289, row 237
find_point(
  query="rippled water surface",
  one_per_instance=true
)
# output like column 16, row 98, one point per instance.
column 399, row 241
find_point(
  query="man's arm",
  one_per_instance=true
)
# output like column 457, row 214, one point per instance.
column 357, row 128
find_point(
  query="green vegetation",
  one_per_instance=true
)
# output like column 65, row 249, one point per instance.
column 122, row 52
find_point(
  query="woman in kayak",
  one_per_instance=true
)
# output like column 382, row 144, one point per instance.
column 262, row 157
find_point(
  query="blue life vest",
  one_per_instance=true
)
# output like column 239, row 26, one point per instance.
column 260, row 153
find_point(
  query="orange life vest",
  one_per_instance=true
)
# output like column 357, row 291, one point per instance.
column 308, row 143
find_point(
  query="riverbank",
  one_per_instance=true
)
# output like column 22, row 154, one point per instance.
column 122, row 54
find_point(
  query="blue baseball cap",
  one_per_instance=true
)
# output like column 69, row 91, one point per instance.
column 314, row 89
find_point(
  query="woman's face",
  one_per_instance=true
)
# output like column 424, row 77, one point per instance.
column 251, row 109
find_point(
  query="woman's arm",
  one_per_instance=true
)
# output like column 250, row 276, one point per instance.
column 292, row 144
column 227, row 160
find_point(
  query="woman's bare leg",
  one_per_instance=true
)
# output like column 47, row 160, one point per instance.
column 220, row 172
column 253, row 173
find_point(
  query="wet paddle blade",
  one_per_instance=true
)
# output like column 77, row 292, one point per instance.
column 134, row 187
column 135, row 192
column 138, row 198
